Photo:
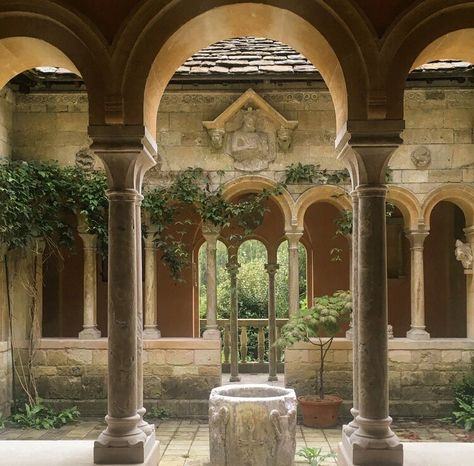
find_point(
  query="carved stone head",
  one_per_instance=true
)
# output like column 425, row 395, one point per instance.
column 250, row 120
column 284, row 138
column 421, row 157
column 463, row 253
column 217, row 138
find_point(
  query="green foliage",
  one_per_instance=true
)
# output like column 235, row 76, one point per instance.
column 40, row 200
column 464, row 416
column 191, row 187
column 324, row 319
column 314, row 456
column 300, row 173
column 463, row 412
column 156, row 412
column 38, row 416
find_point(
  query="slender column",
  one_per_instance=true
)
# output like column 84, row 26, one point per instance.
column 373, row 434
column 90, row 330
column 150, row 303
column 233, row 269
column 293, row 238
column 272, row 269
column 37, row 323
column 350, row 428
column 417, row 329
column 122, row 419
column 469, row 232
column 211, row 234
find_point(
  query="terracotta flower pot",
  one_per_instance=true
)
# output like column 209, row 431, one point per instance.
column 320, row 413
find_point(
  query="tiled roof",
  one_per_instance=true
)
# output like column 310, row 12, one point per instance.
column 246, row 55
column 257, row 55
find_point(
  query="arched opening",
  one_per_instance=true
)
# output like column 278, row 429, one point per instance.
column 398, row 272
column 328, row 246
column 445, row 282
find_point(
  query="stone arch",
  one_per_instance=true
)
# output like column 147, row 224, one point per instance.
column 46, row 34
column 165, row 39
column 253, row 183
column 331, row 194
column 424, row 34
column 460, row 195
column 408, row 205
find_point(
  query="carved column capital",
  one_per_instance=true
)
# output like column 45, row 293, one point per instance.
column 233, row 268
column 417, row 238
column 89, row 241
column 293, row 238
column 272, row 269
column 211, row 234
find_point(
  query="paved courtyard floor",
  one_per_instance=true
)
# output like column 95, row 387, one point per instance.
column 185, row 442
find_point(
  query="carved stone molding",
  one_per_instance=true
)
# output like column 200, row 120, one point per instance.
column 251, row 132
column 421, row 157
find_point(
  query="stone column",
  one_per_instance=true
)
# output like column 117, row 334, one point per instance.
column 469, row 232
column 211, row 234
column 233, row 269
column 272, row 269
column 90, row 330
column 373, row 434
column 366, row 147
column 126, row 156
column 417, row 329
column 151, row 331
column 293, row 238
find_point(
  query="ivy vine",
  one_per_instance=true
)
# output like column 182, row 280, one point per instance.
column 298, row 173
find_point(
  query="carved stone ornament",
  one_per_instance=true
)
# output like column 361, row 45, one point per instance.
column 464, row 254
column 85, row 159
column 251, row 132
column 421, row 157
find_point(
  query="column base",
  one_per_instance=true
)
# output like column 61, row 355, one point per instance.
column 357, row 456
column 151, row 333
column 89, row 333
column 144, row 453
column 272, row 378
column 234, row 378
column 418, row 333
column 211, row 334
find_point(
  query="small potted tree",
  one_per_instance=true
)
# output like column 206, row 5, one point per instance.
column 319, row 325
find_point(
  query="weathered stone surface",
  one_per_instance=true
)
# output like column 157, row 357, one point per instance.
column 253, row 425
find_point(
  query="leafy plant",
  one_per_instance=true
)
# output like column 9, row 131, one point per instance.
column 308, row 173
column 38, row 416
column 156, row 412
column 314, row 456
column 465, row 414
column 166, row 207
column 318, row 325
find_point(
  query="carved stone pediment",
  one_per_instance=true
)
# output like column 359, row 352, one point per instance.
column 251, row 131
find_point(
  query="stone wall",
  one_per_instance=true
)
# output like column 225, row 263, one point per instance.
column 5, row 379
column 7, row 105
column 179, row 374
column 421, row 373
column 50, row 126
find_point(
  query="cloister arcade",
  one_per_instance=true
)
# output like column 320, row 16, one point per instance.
column 125, row 324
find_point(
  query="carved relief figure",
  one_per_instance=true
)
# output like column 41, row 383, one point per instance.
column 249, row 145
column 284, row 427
column 463, row 253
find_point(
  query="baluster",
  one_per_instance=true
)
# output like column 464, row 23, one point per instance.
column 226, row 344
column 243, row 344
column 278, row 333
column 261, row 344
